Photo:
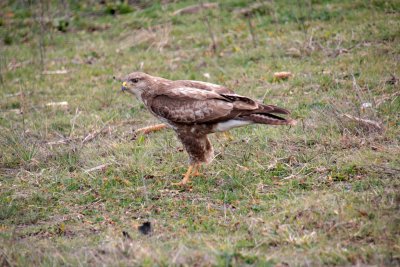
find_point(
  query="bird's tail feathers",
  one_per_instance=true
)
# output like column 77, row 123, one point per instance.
column 274, row 109
column 267, row 118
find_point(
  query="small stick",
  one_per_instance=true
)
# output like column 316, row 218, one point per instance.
column 97, row 168
column 94, row 134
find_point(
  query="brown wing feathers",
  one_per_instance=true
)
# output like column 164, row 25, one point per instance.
column 192, row 105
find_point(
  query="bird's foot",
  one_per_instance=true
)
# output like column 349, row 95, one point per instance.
column 184, row 181
column 197, row 173
column 152, row 128
column 186, row 178
column 181, row 183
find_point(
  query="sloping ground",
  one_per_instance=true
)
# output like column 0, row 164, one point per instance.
column 76, row 183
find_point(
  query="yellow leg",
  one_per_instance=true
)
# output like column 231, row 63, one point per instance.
column 153, row 128
column 186, row 178
column 196, row 170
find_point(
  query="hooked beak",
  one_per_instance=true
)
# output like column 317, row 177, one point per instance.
column 123, row 88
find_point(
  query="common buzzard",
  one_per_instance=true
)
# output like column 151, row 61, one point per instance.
column 194, row 109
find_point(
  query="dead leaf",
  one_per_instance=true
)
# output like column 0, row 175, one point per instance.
column 283, row 75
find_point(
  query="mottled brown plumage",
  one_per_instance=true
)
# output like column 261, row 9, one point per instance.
column 195, row 109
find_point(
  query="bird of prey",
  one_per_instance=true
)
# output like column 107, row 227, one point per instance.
column 194, row 109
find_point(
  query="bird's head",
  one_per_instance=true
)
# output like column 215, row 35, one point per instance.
column 136, row 83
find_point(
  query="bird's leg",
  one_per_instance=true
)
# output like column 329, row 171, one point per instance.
column 152, row 128
column 186, row 178
column 196, row 170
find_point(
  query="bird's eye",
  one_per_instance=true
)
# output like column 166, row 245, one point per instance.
column 134, row 80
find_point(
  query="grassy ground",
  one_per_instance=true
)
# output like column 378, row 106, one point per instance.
column 325, row 192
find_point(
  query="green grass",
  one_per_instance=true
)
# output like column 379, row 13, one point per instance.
column 325, row 192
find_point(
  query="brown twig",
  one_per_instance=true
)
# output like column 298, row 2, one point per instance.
column 101, row 167
column 61, row 142
column 93, row 134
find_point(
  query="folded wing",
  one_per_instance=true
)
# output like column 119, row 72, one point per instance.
column 189, row 105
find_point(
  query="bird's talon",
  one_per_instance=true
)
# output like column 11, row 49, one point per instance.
column 197, row 174
column 181, row 183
